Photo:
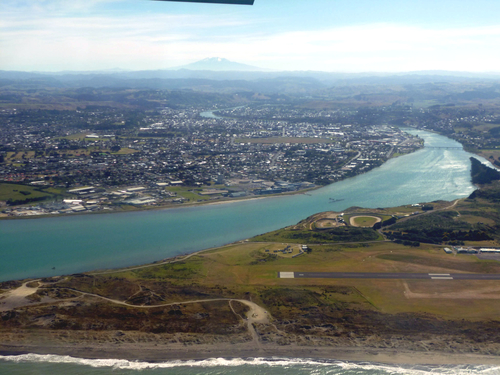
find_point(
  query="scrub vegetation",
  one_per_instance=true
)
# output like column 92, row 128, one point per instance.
column 341, row 234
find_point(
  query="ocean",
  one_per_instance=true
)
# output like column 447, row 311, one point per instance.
column 32, row 364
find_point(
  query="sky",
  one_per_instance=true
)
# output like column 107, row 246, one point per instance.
column 321, row 35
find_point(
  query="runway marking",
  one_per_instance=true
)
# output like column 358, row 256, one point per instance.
column 397, row 275
column 287, row 275
column 442, row 278
column 439, row 274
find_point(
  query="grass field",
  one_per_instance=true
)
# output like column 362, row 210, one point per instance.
column 365, row 221
column 485, row 126
column 396, row 154
column 77, row 136
column 125, row 151
column 247, row 268
column 20, row 155
column 188, row 193
column 15, row 192
column 487, row 154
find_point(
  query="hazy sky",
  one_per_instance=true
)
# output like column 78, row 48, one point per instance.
column 328, row 35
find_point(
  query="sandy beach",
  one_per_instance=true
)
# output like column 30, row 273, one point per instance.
column 161, row 353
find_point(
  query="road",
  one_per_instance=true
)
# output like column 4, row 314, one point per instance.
column 380, row 275
column 275, row 158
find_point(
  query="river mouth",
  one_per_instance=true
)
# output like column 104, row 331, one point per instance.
column 64, row 245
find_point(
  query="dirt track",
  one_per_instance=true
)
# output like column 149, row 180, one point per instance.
column 17, row 298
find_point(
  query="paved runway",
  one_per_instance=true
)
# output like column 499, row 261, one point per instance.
column 375, row 275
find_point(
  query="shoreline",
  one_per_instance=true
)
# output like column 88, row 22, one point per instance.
column 177, row 352
column 168, row 206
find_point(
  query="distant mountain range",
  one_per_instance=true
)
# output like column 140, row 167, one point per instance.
column 218, row 64
column 217, row 74
column 218, row 68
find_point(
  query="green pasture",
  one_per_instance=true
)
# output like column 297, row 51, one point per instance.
column 365, row 221
column 247, row 268
column 19, row 192
column 188, row 193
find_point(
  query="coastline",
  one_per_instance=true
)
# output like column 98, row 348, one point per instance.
column 155, row 353
column 168, row 206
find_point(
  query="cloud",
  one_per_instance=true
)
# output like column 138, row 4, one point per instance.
column 54, row 7
column 62, row 35
column 40, row 40
column 385, row 47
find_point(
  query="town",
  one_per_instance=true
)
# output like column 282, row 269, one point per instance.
column 102, row 158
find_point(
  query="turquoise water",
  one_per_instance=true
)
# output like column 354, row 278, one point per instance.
column 209, row 114
column 32, row 364
column 32, row 247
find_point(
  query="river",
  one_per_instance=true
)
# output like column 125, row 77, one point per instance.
column 211, row 114
column 63, row 245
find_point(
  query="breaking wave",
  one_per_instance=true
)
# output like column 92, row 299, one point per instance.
column 316, row 366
